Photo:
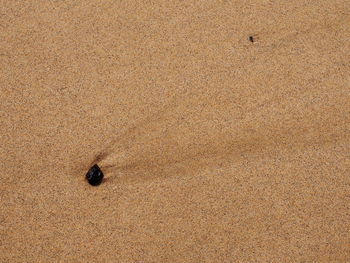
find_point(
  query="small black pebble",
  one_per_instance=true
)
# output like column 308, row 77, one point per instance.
column 94, row 175
column 251, row 39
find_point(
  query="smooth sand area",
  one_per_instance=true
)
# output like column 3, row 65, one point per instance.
column 216, row 147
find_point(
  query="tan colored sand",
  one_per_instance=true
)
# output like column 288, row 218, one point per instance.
column 214, row 149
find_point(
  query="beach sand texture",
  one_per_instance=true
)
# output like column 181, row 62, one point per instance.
column 214, row 148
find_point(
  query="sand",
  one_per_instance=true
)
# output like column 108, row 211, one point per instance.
column 214, row 148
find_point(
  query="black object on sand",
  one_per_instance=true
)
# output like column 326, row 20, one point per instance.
column 94, row 175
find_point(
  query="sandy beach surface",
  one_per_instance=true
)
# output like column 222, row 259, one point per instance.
column 222, row 128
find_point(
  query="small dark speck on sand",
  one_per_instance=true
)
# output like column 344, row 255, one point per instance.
column 251, row 39
column 94, row 175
